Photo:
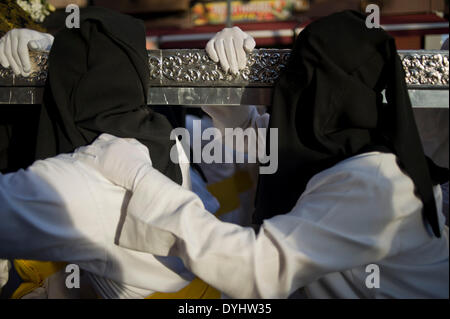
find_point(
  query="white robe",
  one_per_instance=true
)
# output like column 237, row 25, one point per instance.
column 60, row 209
column 360, row 212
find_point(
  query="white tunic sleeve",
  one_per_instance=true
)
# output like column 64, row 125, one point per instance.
column 37, row 218
column 61, row 209
column 228, row 118
column 358, row 212
column 243, row 116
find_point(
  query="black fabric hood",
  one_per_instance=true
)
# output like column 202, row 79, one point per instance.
column 97, row 83
column 328, row 106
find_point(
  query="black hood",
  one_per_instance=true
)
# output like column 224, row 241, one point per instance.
column 328, row 106
column 97, row 83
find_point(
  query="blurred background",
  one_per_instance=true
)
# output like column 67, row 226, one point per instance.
column 416, row 24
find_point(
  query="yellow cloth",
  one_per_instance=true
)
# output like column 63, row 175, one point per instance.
column 33, row 274
column 227, row 191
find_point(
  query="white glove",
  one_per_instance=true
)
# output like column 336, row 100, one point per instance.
column 123, row 161
column 229, row 46
column 14, row 48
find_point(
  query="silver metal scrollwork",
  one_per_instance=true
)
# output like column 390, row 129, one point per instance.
column 195, row 68
column 426, row 68
column 190, row 77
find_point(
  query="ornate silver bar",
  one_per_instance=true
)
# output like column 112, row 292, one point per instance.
column 424, row 69
column 182, row 77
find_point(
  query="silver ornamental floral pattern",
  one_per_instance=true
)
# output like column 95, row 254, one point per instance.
column 194, row 68
column 426, row 69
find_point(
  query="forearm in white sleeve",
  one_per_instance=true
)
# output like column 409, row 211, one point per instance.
column 34, row 223
column 325, row 232
column 243, row 116
column 179, row 225
column 228, row 118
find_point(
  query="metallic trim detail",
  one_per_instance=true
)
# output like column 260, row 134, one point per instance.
column 426, row 68
column 193, row 68
column 39, row 69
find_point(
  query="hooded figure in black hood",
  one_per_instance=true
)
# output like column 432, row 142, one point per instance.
column 352, row 206
column 328, row 106
column 97, row 83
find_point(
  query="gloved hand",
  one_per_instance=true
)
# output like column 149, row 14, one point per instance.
column 123, row 161
column 14, row 48
column 229, row 46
